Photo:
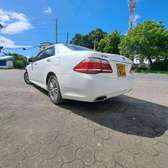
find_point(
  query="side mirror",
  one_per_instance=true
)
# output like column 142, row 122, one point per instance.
column 30, row 59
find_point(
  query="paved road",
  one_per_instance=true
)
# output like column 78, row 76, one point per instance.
column 129, row 131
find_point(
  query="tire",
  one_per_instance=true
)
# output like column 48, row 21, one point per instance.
column 26, row 78
column 54, row 90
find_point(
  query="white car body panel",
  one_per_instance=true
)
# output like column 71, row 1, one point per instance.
column 80, row 86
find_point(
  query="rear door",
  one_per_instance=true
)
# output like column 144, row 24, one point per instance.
column 45, row 63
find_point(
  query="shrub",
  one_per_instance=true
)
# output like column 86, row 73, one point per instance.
column 20, row 61
column 20, row 64
column 160, row 65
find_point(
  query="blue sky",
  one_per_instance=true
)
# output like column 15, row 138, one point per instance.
column 33, row 21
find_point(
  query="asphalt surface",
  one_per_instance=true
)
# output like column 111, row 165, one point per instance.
column 129, row 131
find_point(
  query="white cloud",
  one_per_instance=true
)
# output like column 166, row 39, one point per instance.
column 14, row 22
column 3, row 17
column 8, row 43
column 16, row 27
column 48, row 10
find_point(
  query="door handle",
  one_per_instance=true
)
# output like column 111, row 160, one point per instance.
column 35, row 64
column 48, row 60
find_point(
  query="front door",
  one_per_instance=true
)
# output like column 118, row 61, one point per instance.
column 39, row 67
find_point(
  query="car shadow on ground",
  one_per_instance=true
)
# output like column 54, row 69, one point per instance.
column 124, row 114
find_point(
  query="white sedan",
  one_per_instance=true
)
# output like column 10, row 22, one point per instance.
column 69, row 71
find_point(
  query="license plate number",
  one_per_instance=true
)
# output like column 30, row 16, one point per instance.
column 121, row 70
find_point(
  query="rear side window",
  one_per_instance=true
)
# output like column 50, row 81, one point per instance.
column 50, row 52
column 45, row 54
column 76, row 47
column 39, row 56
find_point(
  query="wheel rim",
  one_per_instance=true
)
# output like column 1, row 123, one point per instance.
column 53, row 89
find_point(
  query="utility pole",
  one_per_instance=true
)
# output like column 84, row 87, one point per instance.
column 94, row 48
column 56, row 31
column 67, row 38
column 94, row 43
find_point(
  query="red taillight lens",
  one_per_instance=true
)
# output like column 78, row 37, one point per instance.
column 93, row 65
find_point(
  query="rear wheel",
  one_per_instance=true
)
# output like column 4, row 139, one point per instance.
column 54, row 90
column 26, row 78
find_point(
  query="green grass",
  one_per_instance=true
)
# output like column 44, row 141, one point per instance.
column 151, row 71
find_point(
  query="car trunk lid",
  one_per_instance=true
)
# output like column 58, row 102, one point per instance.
column 121, row 65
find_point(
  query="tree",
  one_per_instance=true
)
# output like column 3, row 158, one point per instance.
column 99, row 40
column 95, row 36
column 89, row 40
column 110, row 43
column 20, row 61
column 148, row 40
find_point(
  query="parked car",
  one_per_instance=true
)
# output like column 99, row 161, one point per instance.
column 69, row 71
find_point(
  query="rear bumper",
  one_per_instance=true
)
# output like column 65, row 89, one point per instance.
column 114, row 94
column 93, row 88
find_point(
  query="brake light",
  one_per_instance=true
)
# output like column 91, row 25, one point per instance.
column 93, row 65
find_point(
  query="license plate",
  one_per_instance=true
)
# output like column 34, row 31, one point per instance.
column 121, row 70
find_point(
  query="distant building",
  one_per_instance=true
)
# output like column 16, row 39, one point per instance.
column 6, row 62
column 141, row 63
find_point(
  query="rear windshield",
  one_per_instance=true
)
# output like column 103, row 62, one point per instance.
column 76, row 48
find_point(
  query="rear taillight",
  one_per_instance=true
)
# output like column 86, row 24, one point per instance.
column 93, row 65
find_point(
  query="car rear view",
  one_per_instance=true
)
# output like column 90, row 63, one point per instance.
column 107, row 76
